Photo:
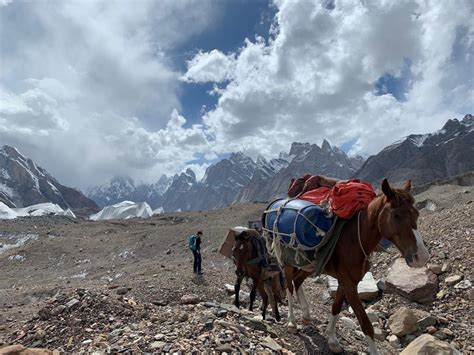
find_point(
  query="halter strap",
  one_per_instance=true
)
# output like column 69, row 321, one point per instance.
column 358, row 235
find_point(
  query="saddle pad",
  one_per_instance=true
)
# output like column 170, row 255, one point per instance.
column 303, row 219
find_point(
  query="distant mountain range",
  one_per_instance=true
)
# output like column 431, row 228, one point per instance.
column 23, row 183
column 235, row 179
column 422, row 158
column 425, row 157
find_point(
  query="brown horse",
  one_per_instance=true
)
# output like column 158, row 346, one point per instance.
column 246, row 258
column 391, row 215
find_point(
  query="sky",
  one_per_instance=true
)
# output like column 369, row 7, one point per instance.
column 95, row 89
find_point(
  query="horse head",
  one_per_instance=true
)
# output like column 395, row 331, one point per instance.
column 397, row 222
column 241, row 252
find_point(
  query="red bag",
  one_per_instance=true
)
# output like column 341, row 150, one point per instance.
column 316, row 196
column 347, row 198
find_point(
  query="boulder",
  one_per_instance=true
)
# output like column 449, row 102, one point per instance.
column 403, row 322
column 429, row 345
column 416, row 284
column 367, row 287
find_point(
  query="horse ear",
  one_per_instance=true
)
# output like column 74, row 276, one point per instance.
column 407, row 186
column 387, row 190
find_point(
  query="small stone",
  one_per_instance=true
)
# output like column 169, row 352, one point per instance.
column 72, row 303
column 440, row 335
column 349, row 322
column 463, row 285
column 451, row 280
column 268, row 342
column 122, row 290
column 225, row 348
column 441, row 294
column 393, row 341
column 159, row 336
column 403, row 322
column 431, row 329
column 87, row 342
column 58, row 310
column 435, row 268
column 379, row 334
column 427, row 321
column 157, row 345
column 183, row 317
column 445, row 267
column 168, row 252
column 221, row 313
column 229, row 289
column 190, row 299
column 447, row 331
column 381, row 284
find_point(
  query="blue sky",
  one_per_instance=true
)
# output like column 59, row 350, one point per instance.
column 237, row 20
column 120, row 86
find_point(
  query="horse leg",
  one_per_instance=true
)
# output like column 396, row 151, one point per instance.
column 354, row 300
column 300, row 277
column 289, row 294
column 331, row 329
column 253, row 293
column 263, row 293
column 269, row 287
column 237, row 290
column 275, row 289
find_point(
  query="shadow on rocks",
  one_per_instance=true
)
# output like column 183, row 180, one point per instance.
column 316, row 343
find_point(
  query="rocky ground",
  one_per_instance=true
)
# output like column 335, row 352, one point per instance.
column 115, row 286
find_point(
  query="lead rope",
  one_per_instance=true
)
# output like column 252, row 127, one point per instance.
column 358, row 235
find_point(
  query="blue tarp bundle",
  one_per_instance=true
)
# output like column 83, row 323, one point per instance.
column 299, row 223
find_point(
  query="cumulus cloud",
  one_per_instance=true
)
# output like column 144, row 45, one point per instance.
column 213, row 66
column 91, row 89
column 88, row 88
column 314, row 78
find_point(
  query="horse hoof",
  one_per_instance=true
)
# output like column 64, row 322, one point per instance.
column 306, row 322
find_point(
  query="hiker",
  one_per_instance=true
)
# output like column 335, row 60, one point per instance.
column 194, row 243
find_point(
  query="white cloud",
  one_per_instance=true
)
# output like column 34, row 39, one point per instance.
column 315, row 78
column 88, row 87
column 213, row 66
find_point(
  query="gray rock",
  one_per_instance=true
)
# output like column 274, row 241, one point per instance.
column 428, row 344
column 190, row 299
column 403, row 322
column 72, row 303
column 463, row 285
column 426, row 322
column 416, row 284
column 157, row 345
column 271, row 344
column 122, row 290
column 451, row 280
column 367, row 287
